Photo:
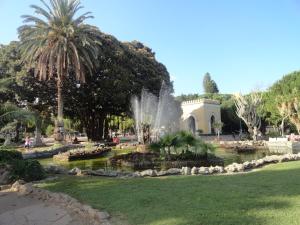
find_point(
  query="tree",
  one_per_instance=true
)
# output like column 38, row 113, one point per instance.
column 11, row 119
column 59, row 44
column 209, row 85
column 218, row 128
column 281, row 102
column 247, row 109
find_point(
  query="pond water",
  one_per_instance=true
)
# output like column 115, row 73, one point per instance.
column 229, row 156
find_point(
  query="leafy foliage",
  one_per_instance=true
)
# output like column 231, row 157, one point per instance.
column 282, row 100
column 28, row 170
column 58, row 42
column 209, row 85
column 9, row 155
column 182, row 145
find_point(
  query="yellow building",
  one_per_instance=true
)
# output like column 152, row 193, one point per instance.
column 199, row 115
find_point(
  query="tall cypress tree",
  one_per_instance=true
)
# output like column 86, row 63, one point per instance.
column 209, row 85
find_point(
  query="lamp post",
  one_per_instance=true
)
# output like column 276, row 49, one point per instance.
column 38, row 140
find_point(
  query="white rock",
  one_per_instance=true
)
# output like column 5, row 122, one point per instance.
column 203, row 170
column 75, row 171
column 219, row 169
column 194, row 170
column 186, row 170
column 149, row 172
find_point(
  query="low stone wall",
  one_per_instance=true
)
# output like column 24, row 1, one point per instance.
column 90, row 215
column 232, row 168
column 49, row 153
column 282, row 145
column 261, row 144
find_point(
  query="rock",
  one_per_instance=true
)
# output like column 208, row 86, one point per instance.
column 136, row 174
column 162, row 173
column 149, row 172
column 219, row 169
column 55, row 169
column 5, row 187
column 247, row 165
column 259, row 162
column 211, row 170
column 102, row 216
column 4, row 177
column 232, row 168
column 5, row 174
column 75, row 171
column 288, row 157
column 194, row 170
column 16, row 185
column 174, row 171
column 101, row 172
column 171, row 171
column 25, row 189
column 240, row 167
column 186, row 170
column 203, row 170
column 271, row 159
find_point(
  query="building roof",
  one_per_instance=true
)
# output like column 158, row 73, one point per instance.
column 201, row 100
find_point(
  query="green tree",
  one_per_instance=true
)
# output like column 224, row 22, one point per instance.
column 59, row 44
column 282, row 101
column 209, row 85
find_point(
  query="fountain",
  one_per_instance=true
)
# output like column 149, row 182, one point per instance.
column 155, row 116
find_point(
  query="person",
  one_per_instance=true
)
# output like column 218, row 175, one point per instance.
column 27, row 142
column 75, row 141
column 116, row 140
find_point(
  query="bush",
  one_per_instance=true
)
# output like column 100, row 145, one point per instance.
column 28, row 170
column 49, row 130
column 10, row 155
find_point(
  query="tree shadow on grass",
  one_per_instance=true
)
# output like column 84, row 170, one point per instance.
column 263, row 197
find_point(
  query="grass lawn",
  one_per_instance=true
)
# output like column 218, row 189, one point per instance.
column 268, row 196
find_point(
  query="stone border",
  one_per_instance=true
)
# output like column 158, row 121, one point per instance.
column 50, row 152
column 93, row 216
column 230, row 169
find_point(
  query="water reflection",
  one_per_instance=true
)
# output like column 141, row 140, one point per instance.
column 229, row 157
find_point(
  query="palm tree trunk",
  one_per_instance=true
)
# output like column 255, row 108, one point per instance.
column 60, row 102
column 38, row 140
column 59, row 125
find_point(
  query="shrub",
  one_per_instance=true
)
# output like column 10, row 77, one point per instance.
column 49, row 130
column 28, row 170
column 10, row 155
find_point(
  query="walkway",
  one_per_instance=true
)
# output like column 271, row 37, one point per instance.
column 23, row 210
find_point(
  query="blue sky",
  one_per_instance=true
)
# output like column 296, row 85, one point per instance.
column 243, row 44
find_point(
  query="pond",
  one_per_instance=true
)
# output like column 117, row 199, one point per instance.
column 229, row 156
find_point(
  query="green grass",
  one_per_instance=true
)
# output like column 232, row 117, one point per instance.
column 269, row 196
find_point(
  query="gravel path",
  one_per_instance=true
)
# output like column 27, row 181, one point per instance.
column 17, row 209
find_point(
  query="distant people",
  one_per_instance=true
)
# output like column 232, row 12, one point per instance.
column 75, row 141
column 27, row 142
column 116, row 140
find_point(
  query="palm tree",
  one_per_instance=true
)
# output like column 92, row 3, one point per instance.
column 11, row 118
column 58, row 44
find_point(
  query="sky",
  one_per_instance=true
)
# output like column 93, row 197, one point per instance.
column 244, row 44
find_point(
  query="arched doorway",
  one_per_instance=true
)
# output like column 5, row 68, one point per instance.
column 192, row 124
column 212, row 121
